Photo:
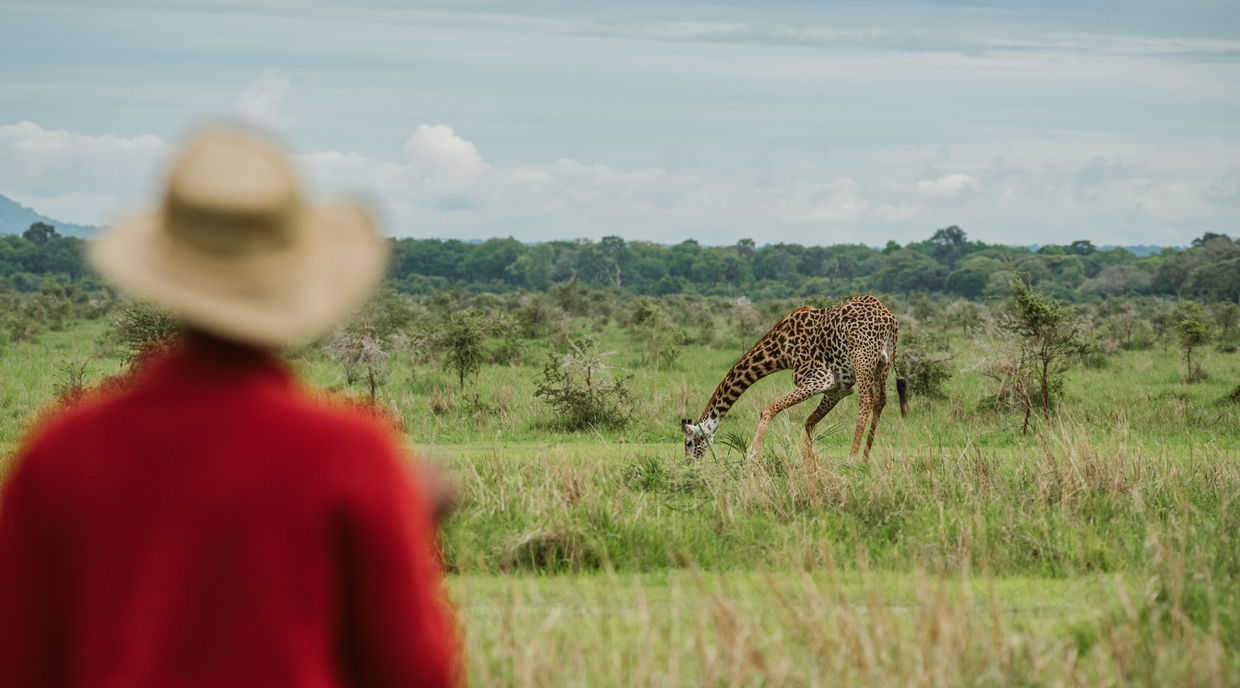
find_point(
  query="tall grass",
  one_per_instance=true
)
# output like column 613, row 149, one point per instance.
column 1066, row 509
column 1101, row 548
column 840, row 628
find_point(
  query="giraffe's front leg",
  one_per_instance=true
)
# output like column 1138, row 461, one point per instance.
column 807, row 386
column 830, row 398
column 824, row 379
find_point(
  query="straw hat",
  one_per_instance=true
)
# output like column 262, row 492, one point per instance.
column 234, row 250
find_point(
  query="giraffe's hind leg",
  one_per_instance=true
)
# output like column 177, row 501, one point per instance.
column 865, row 405
column 876, row 410
column 865, row 366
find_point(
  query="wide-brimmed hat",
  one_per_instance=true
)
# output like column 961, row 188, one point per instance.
column 236, row 251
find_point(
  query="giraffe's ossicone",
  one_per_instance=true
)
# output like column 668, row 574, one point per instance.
column 831, row 351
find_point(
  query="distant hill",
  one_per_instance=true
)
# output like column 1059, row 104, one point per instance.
column 1141, row 250
column 16, row 218
column 1138, row 250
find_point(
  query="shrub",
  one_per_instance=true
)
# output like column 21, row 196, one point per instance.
column 1193, row 334
column 461, row 338
column 927, row 374
column 553, row 549
column 71, row 383
column 362, row 355
column 653, row 332
column 19, row 326
column 1047, row 332
column 144, row 329
column 537, row 317
column 580, row 387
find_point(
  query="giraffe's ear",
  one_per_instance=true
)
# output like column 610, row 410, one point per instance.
column 685, row 423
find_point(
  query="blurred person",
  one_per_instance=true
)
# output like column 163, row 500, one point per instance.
column 209, row 523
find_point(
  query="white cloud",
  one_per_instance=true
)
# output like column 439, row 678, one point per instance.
column 1048, row 190
column 80, row 178
column 947, row 185
column 808, row 203
column 444, row 160
column 899, row 212
column 262, row 101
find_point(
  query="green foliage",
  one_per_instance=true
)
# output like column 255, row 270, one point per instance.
column 71, row 382
column 656, row 336
column 143, row 329
column 927, row 374
column 1193, row 334
column 461, row 337
column 40, row 233
column 361, row 354
column 946, row 263
column 1226, row 316
column 537, row 317
column 581, row 389
column 1048, row 333
column 556, row 548
column 1096, row 551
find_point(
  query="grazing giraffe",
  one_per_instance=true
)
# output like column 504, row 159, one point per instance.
column 829, row 350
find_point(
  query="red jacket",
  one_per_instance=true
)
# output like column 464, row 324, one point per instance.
column 210, row 525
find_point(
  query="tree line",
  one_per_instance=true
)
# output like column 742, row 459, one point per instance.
column 946, row 263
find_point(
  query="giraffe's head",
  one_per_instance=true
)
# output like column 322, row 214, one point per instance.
column 697, row 439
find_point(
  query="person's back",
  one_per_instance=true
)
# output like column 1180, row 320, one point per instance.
column 209, row 524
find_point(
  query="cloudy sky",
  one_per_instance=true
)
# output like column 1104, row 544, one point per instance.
column 814, row 122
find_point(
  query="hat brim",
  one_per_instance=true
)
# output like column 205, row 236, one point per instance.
column 271, row 299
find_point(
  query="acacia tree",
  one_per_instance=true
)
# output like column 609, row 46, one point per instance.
column 1192, row 335
column 462, row 339
column 144, row 329
column 1049, row 333
column 363, row 356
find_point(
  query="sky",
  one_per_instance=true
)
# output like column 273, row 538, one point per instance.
column 782, row 121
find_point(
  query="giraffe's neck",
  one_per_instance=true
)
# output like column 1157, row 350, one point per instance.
column 756, row 364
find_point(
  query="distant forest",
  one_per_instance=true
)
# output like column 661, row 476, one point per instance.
column 946, row 263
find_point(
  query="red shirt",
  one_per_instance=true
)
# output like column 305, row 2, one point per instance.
column 210, row 525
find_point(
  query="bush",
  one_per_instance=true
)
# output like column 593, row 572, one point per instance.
column 1234, row 397
column 16, row 325
column 580, row 388
column 460, row 338
column 537, row 317
column 553, row 549
column 362, row 356
column 1193, row 334
column 654, row 334
column 71, row 383
column 927, row 375
column 144, row 329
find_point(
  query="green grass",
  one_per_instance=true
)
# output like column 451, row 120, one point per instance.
column 1099, row 549
column 692, row 628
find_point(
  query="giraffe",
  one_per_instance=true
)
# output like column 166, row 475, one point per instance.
column 830, row 351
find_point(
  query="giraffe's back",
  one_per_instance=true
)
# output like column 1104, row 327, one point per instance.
column 857, row 331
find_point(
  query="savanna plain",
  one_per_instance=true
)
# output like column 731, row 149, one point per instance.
column 986, row 541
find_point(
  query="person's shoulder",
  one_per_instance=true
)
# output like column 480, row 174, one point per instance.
column 340, row 431
column 350, row 450
column 342, row 415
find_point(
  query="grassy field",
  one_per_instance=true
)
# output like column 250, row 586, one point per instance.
column 1101, row 549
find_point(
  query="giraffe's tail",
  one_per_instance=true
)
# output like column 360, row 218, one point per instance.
column 901, row 383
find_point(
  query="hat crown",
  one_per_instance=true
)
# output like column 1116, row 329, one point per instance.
column 235, row 249
column 231, row 193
